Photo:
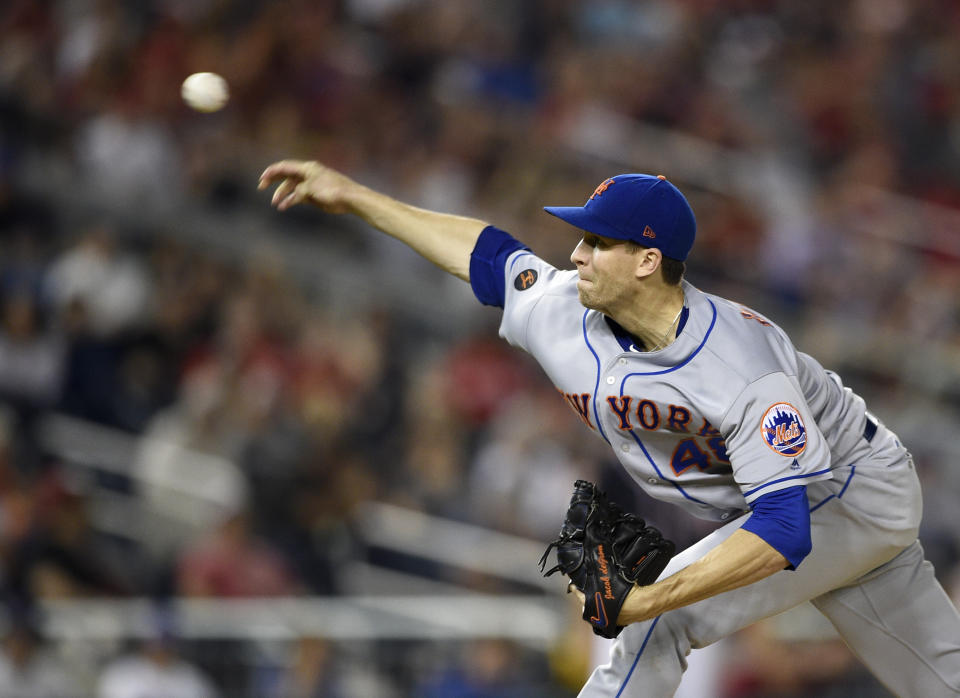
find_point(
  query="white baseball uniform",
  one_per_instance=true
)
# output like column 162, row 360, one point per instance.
column 729, row 412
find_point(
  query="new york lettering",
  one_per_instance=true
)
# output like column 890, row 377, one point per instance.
column 708, row 453
column 704, row 450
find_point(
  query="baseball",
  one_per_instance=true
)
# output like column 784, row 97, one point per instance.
column 205, row 92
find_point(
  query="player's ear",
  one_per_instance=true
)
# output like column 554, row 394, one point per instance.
column 648, row 261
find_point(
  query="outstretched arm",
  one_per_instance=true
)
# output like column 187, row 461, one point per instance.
column 444, row 239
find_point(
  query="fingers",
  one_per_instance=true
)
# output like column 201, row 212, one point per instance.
column 294, row 176
column 296, row 194
column 283, row 191
column 283, row 169
column 572, row 589
column 291, row 174
column 305, row 181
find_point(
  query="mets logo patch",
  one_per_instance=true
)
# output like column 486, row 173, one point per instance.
column 782, row 428
column 525, row 279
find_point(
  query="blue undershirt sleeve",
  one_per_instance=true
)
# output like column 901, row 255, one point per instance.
column 782, row 519
column 487, row 262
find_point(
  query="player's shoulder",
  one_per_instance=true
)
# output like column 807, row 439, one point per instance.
column 734, row 312
column 541, row 301
column 749, row 342
column 529, row 275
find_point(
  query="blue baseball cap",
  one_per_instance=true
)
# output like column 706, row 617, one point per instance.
column 646, row 209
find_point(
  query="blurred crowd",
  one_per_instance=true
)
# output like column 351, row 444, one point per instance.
column 285, row 413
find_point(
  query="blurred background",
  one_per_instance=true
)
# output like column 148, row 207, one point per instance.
column 245, row 453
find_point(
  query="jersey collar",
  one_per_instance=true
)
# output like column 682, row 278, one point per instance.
column 629, row 343
column 695, row 324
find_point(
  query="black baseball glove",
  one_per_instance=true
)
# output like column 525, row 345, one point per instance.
column 605, row 552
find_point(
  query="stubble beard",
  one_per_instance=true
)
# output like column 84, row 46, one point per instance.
column 587, row 300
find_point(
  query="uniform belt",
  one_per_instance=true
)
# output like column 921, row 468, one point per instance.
column 870, row 428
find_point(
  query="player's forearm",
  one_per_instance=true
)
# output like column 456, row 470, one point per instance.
column 742, row 559
column 446, row 240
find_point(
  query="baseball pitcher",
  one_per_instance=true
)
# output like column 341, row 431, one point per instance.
column 708, row 405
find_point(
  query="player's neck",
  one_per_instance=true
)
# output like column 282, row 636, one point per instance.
column 653, row 318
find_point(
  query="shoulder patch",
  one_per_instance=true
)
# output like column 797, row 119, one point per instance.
column 525, row 279
column 783, row 430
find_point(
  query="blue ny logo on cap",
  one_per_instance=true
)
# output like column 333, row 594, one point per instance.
column 646, row 209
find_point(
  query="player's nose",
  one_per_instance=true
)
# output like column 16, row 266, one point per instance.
column 579, row 255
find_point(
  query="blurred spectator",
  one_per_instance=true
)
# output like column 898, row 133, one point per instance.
column 436, row 446
column 155, row 668
column 481, row 374
column 346, row 382
column 125, row 149
column 526, row 465
column 22, row 248
column 144, row 382
column 31, row 356
column 180, row 469
column 16, row 503
column 312, row 673
column 231, row 561
column 61, row 556
column 109, row 283
column 90, row 374
column 489, row 669
column 27, row 668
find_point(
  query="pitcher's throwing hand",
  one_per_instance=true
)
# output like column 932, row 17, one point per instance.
column 307, row 181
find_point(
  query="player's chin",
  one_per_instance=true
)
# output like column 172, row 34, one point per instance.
column 584, row 293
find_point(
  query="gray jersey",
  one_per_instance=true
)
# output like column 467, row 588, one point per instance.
column 728, row 412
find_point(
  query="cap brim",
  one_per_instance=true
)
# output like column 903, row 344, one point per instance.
column 580, row 217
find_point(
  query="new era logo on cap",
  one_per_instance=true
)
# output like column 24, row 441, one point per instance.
column 646, row 209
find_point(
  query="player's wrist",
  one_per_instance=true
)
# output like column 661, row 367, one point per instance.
column 638, row 606
column 353, row 197
column 376, row 208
